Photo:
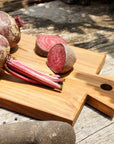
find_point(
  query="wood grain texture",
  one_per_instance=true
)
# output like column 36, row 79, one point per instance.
column 87, row 61
column 93, row 127
column 102, row 98
column 39, row 101
column 106, row 136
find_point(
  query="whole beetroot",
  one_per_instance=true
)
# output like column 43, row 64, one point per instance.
column 10, row 28
column 61, row 58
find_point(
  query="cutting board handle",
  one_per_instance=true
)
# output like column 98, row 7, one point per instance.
column 104, row 82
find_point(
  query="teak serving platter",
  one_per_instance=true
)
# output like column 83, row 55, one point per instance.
column 81, row 85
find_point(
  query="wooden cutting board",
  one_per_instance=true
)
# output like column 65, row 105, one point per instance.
column 42, row 102
column 100, row 90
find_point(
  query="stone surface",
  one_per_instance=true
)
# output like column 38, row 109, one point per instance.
column 37, row 132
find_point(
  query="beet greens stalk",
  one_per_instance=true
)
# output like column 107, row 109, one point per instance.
column 55, row 78
column 24, row 72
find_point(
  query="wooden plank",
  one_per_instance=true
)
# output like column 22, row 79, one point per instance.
column 100, row 90
column 90, row 126
column 42, row 103
column 39, row 101
column 106, row 135
column 87, row 61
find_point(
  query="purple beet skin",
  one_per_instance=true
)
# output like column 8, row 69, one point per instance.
column 61, row 58
column 10, row 28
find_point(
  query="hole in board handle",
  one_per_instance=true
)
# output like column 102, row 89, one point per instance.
column 106, row 87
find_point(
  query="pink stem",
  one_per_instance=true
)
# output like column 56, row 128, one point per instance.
column 19, row 21
column 20, row 76
column 57, row 76
column 29, row 73
column 53, row 78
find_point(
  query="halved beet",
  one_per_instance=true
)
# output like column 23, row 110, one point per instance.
column 45, row 42
column 61, row 58
column 10, row 28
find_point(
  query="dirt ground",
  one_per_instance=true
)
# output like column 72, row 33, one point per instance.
column 82, row 26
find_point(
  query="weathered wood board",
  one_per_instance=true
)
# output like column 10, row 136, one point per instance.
column 42, row 102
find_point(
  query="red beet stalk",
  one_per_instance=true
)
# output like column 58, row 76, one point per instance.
column 19, row 21
column 53, row 78
column 30, row 75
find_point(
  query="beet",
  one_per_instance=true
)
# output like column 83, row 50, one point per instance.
column 61, row 58
column 4, row 50
column 20, row 70
column 10, row 28
column 45, row 42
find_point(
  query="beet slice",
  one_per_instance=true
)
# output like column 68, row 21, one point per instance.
column 61, row 58
column 45, row 42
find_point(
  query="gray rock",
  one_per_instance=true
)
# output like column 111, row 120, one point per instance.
column 37, row 132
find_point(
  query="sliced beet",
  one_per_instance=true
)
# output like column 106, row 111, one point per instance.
column 45, row 42
column 61, row 58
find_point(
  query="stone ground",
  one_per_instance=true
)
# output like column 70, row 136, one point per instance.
column 90, row 27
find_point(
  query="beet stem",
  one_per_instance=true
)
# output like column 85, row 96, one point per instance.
column 18, row 67
column 53, row 78
column 19, row 21
column 19, row 75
